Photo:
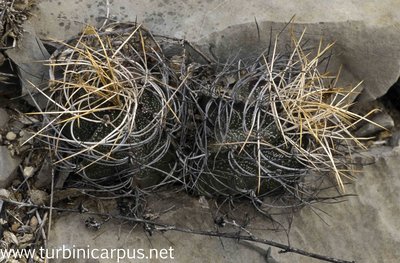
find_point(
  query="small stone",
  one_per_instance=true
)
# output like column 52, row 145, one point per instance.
column 5, row 194
column 11, row 136
column 15, row 226
column 28, row 171
column 39, row 197
column 34, row 223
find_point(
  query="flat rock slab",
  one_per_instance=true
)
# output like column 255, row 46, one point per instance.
column 364, row 228
column 366, row 34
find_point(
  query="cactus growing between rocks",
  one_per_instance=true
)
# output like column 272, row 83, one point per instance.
column 125, row 117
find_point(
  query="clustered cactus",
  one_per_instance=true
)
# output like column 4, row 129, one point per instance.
column 127, row 118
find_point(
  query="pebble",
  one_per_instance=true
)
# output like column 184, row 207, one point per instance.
column 28, row 171
column 5, row 194
column 15, row 226
column 34, row 222
column 11, row 136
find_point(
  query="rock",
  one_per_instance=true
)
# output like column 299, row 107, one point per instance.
column 11, row 136
column 39, row 197
column 8, row 167
column 26, row 56
column 15, row 226
column 34, row 223
column 28, row 171
column 3, row 118
column 383, row 119
column 373, row 211
column 5, row 194
column 366, row 37
column 43, row 176
column 395, row 139
column 15, row 125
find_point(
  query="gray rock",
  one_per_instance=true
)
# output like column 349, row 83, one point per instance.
column 43, row 176
column 384, row 121
column 366, row 37
column 395, row 139
column 27, row 56
column 4, row 194
column 11, row 136
column 3, row 118
column 8, row 167
column 28, row 171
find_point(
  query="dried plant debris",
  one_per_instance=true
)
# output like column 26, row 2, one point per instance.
column 126, row 119
column 22, row 227
column 13, row 13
